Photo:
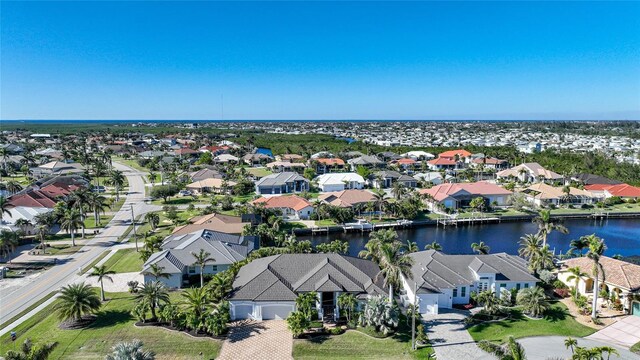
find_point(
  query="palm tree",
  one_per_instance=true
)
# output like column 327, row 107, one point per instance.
column 98, row 204
column 541, row 260
column 570, row 343
column 201, row 259
column 152, row 178
column 348, row 302
column 76, row 301
column 79, row 200
column 158, row 272
column 546, row 225
column 4, row 208
column 576, row 274
column 596, row 250
column 23, row 224
column 116, row 179
column 153, row 293
column 512, row 350
column 377, row 238
column 609, row 350
column 130, row 351
column 433, row 246
column 153, row 219
column 13, row 187
column 102, row 273
column 411, row 246
column 379, row 198
column 398, row 190
column 529, row 245
column 533, row 301
column 30, row 352
column 195, row 302
column 71, row 221
column 8, row 243
column 393, row 264
column 579, row 244
column 481, row 248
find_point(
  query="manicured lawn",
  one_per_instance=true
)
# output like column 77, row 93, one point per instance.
column 259, row 172
column 186, row 200
column 557, row 321
column 63, row 249
column 114, row 324
column 130, row 163
column 325, row 222
column 90, row 223
column 636, row 348
column 288, row 226
column 125, row 260
column 95, row 261
column 356, row 345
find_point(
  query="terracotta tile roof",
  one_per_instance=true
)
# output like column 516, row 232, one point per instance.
column 333, row 161
column 347, row 198
column 452, row 153
column 292, row 202
column 616, row 272
column 34, row 198
column 185, row 151
column 442, row 161
column 406, row 161
column 623, row 190
column 217, row 222
column 442, row 191
column 490, row 161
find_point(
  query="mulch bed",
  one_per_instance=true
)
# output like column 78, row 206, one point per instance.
column 173, row 328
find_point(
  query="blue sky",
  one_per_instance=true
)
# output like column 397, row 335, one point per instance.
column 338, row 60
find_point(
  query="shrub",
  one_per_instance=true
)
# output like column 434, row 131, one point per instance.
column 133, row 286
column 547, row 276
column 297, row 323
column 336, row 331
column 380, row 314
column 558, row 284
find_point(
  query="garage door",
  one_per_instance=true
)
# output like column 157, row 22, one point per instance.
column 243, row 311
column 636, row 308
column 276, row 312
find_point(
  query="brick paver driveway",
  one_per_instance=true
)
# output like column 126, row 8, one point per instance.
column 450, row 338
column 624, row 332
column 258, row 340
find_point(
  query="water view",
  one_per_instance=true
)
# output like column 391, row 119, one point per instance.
column 622, row 236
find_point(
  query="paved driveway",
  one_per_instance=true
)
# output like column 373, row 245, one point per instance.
column 552, row 347
column 450, row 339
column 258, row 340
column 624, row 332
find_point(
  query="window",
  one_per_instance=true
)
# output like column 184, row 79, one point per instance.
column 455, row 292
column 526, row 286
column 503, row 286
column 214, row 268
column 463, row 291
column 483, row 286
column 518, row 286
column 192, row 269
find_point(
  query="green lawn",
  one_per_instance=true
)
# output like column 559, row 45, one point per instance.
column 557, row 321
column 325, row 222
column 356, row 345
column 63, row 249
column 636, row 348
column 186, row 200
column 89, row 222
column 114, row 324
column 125, row 260
column 130, row 163
column 259, row 172
column 95, row 261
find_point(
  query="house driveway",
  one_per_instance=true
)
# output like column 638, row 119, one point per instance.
column 624, row 332
column 258, row 340
column 449, row 337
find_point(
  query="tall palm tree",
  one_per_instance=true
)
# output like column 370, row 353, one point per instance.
column 398, row 190
column 532, row 300
column 98, row 204
column 4, row 208
column 541, row 260
column 579, row 244
column 28, row 351
column 13, row 187
column 377, row 238
column 379, row 198
column 130, row 351
column 529, row 245
column 433, row 246
column 117, row 180
column 596, row 250
column 8, row 243
column 153, row 293
column 79, row 198
column 512, row 350
column 576, row 274
column 102, row 273
column 481, row 248
column 76, row 301
column 546, row 225
column 23, row 224
column 393, row 264
column 72, row 221
column 201, row 259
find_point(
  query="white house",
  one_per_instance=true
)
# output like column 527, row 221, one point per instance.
column 340, row 181
column 291, row 207
column 443, row 280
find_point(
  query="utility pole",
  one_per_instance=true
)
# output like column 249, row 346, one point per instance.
column 133, row 222
column 413, row 316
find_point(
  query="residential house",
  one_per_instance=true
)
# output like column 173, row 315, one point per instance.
column 56, row 168
column 206, row 173
column 443, row 280
column 442, row 164
column 291, row 207
column 418, row 155
column 340, row 181
column 530, row 172
column 347, row 198
column 542, row 194
column 389, row 156
column 227, row 224
column 591, row 179
column 226, row 158
column 211, row 185
column 28, row 213
column 460, row 155
column 256, row 159
column 292, row 158
column 367, row 161
column 186, row 153
column 282, row 183
column 327, row 165
column 623, row 191
column 620, row 277
column 386, row 179
column 285, row 166
column 459, row 195
column 434, row 177
column 267, row 288
column 489, row 163
column 405, row 163
column 177, row 256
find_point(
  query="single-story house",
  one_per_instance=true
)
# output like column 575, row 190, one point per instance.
column 227, row 224
column 443, row 280
column 591, row 179
column 405, row 163
column 620, row 277
column 294, row 158
column 256, row 159
column 433, row 177
column 530, row 172
column 489, row 163
column 282, row 183
column 206, row 173
column 292, row 207
column 368, row 161
column 347, row 198
column 177, row 259
column 56, row 168
column 624, row 191
column 22, row 212
column 285, row 166
column 386, row 179
column 442, row 164
column 542, row 194
column 418, row 155
column 267, row 288
column 340, row 181
column 225, row 158
column 459, row 155
column 211, row 185
column 455, row 196
column 325, row 165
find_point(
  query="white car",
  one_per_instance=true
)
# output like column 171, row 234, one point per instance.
column 185, row 193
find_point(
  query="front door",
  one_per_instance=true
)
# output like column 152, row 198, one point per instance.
column 328, row 304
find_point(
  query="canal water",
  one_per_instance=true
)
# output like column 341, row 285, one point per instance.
column 622, row 236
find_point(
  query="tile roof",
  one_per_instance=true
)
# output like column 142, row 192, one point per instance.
column 286, row 201
column 544, row 191
column 481, row 188
column 215, row 222
column 347, row 198
column 330, row 161
column 281, row 277
column 616, row 272
column 452, row 153
column 442, row 161
column 33, row 198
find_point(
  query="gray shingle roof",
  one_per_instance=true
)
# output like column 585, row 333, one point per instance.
column 281, row 277
column 433, row 270
column 280, row 179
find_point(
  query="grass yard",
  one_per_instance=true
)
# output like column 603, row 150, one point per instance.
column 325, row 222
column 557, row 321
column 125, row 260
column 130, row 163
column 114, row 324
column 63, row 249
column 90, row 223
column 636, row 348
column 95, row 261
column 355, row 344
column 186, row 200
column 259, row 172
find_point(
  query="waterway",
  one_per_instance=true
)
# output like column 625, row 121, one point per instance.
column 622, row 236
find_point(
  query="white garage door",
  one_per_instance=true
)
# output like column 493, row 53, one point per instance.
column 428, row 304
column 243, row 311
column 276, row 312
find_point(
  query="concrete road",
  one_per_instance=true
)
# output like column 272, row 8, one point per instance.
column 15, row 300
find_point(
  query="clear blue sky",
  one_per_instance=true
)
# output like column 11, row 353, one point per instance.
column 339, row 60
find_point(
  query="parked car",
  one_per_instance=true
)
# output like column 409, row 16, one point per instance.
column 185, row 193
